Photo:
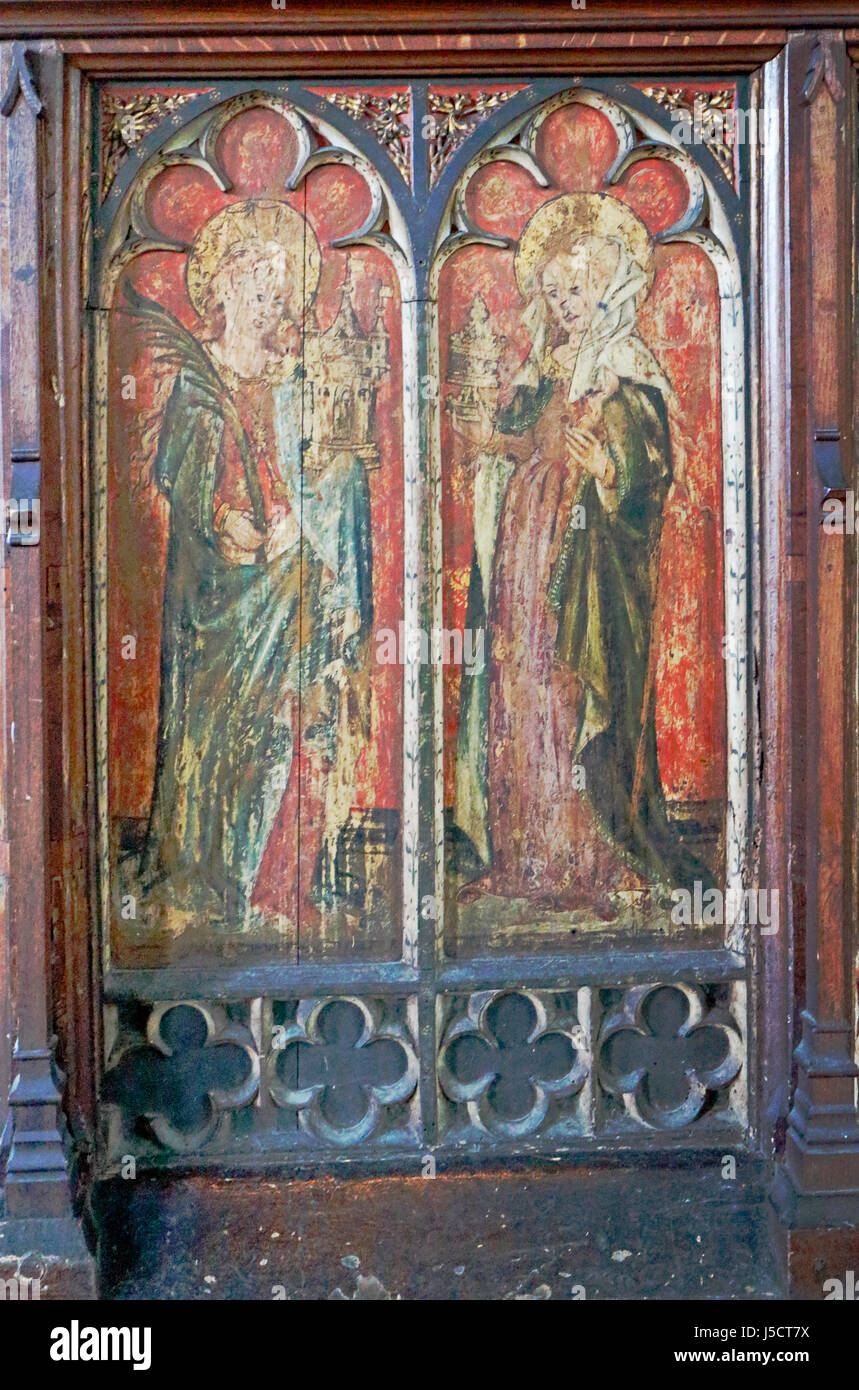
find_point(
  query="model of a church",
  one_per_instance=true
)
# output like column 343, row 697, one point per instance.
column 344, row 366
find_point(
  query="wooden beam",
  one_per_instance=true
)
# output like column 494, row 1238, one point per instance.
column 63, row 18
column 36, row 1175
column 819, row 1183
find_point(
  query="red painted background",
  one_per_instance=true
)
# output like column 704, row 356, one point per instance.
column 258, row 152
column 680, row 322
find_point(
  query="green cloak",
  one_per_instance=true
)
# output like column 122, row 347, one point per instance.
column 603, row 590
column 237, row 642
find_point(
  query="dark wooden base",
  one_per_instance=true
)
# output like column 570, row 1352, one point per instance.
column 538, row 1232
column 811, row 1258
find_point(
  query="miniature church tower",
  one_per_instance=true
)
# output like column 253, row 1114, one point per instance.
column 344, row 367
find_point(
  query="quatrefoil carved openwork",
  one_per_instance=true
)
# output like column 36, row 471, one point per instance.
column 342, row 1069
column 506, row 1061
column 195, row 1067
column 664, row 1054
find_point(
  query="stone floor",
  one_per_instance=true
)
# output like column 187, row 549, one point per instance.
column 550, row 1233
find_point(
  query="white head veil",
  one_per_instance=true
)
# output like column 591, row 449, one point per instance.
column 611, row 345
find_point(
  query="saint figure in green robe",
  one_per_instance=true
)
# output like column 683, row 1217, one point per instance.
column 267, row 604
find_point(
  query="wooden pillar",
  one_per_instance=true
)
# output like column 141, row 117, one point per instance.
column 817, row 1185
column 37, row 1191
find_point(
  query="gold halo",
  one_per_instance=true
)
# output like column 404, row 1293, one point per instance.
column 265, row 220
column 557, row 224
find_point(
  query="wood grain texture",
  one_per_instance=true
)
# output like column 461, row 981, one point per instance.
column 830, row 239
column 36, row 1176
column 6, row 1004
column 59, row 17
column 822, row 1141
column 24, row 688
column 132, row 39
column 65, row 637
column 210, row 58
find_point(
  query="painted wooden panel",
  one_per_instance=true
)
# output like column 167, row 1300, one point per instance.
column 255, row 547
column 348, row 400
column 420, row 595
column 585, row 761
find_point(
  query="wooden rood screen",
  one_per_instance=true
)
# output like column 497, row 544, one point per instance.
column 417, row 435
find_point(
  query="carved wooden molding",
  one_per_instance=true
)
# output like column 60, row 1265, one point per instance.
column 117, row 17
column 822, row 71
column 819, row 1181
column 511, row 1059
column 454, row 115
column 388, row 117
column 20, row 83
column 37, row 1178
column 518, row 1068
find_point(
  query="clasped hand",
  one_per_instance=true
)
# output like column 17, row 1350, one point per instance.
column 586, row 451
